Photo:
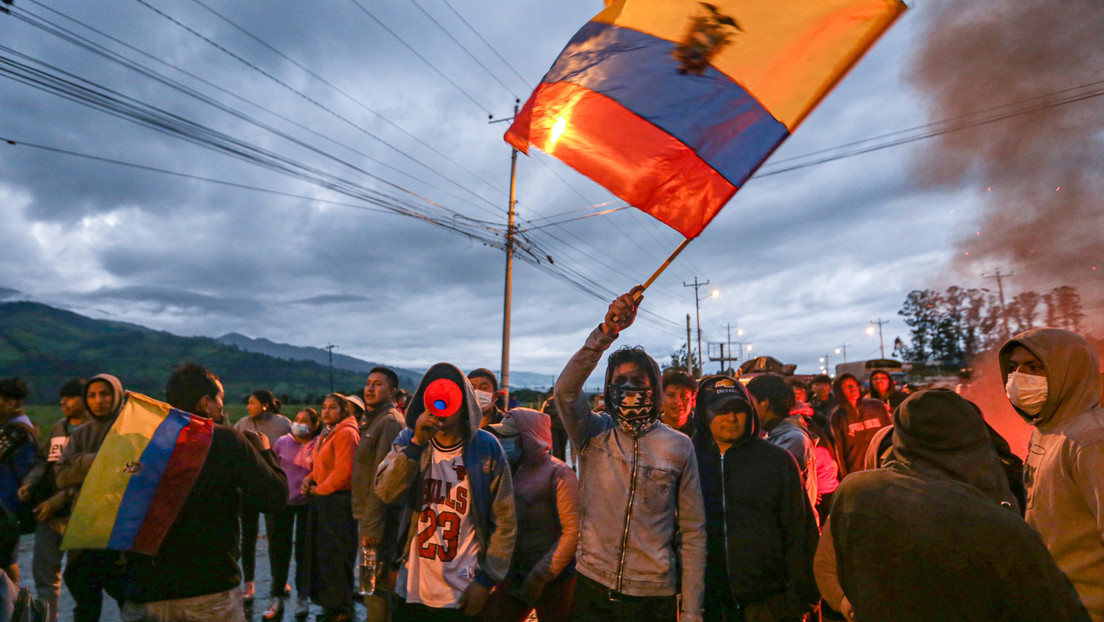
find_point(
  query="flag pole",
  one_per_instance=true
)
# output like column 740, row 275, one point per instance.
column 655, row 275
column 639, row 290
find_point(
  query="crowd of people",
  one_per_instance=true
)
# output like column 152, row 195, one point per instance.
column 719, row 499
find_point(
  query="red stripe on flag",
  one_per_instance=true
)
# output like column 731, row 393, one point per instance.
column 632, row 158
column 176, row 484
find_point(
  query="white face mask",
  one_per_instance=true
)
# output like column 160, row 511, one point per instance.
column 485, row 398
column 1027, row 392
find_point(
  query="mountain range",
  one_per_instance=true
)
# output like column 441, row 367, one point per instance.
column 47, row 346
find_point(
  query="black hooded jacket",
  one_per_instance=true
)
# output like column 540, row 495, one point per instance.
column 933, row 535
column 760, row 527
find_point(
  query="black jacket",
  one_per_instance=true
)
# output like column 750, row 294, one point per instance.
column 760, row 527
column 200, row 552
column 934, row 535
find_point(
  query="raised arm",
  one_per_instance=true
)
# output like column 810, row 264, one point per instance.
column 571, row 404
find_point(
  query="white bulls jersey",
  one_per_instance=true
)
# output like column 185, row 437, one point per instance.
column 443, row 553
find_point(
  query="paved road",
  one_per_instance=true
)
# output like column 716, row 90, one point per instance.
column 111, row 612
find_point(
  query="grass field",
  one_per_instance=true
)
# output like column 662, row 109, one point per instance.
column 46, row 416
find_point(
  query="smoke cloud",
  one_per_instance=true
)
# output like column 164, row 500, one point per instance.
column 1039, row 171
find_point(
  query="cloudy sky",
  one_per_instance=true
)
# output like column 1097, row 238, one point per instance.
column 349, row 117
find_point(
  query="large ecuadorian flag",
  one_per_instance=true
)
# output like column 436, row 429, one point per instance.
column 673, row 104
column 140, row 478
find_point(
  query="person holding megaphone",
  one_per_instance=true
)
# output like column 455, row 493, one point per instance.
column 454, row 482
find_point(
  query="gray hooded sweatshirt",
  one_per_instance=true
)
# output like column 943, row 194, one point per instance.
column 86, row 439
column 1064, row 474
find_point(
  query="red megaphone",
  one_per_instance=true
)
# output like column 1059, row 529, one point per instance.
column 443, row 397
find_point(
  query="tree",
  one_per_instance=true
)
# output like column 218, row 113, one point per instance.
column 920, row 316
column 682, row 361
column 1024, row 309
column 952, row 326
column 1067, row 308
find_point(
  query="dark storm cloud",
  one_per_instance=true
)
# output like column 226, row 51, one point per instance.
column 332, row 299
column 808, row 247
column 153, row 299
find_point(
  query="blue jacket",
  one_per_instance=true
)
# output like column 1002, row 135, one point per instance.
column 400, row 476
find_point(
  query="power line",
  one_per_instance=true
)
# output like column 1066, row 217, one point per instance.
column 91, row 46
column 347, row 95
column 489, row 46
column 419, row 55
column 466, row 50
column 770, row 170
column 124, row 107
column 297, row 92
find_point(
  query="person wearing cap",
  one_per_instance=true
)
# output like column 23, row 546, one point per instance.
column 377, row 522
column 761, row 529
column 51, row 506
column 1052, row 378
column 459, row 518
column 89, row 573
column 18, row 454
column 265, row 419
column 935, row 533
column 354, row 407
column 638, row 487
column 546, row 496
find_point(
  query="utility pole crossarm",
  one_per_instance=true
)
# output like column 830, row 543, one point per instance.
column 697, row 309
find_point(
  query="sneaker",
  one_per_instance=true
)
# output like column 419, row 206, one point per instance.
column 275, row 609
column 248, row 593
column 302, row 608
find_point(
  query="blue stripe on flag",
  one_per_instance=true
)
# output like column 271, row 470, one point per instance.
column 711, row 114
column 143, row 484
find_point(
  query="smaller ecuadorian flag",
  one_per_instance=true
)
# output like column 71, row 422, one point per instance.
column 673, row 104
column 141, row 476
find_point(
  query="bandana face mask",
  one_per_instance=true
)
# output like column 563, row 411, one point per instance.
column 633, row 408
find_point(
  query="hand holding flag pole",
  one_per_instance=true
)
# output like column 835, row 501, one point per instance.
column 614, row 316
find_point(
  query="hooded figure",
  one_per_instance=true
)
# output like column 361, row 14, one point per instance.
column 934, row 535
column 89, row 573
column 891, row 396
column 853, row 427
column 761, row 529
column 546, row 496
column 1053, row 379
column 478, row 492
column 86, row 439
column 638, row 488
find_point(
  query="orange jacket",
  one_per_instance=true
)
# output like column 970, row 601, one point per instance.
column 333, row 458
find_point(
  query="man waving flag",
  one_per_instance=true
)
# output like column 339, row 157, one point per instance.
column 673, row 104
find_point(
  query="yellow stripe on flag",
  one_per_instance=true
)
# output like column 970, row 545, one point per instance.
column 97, row 507
column 786, row 53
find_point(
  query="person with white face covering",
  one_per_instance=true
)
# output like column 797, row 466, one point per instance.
column 486, row 392
column 1052, row 378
